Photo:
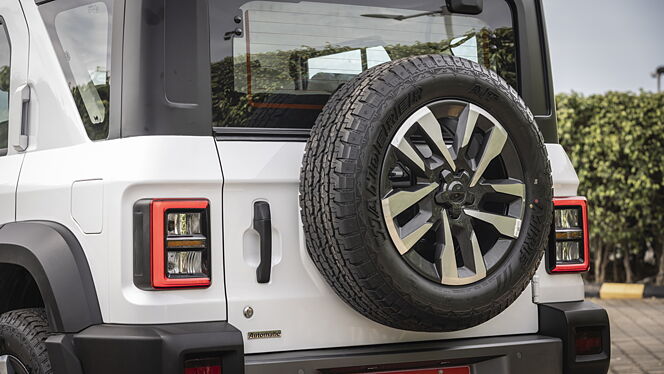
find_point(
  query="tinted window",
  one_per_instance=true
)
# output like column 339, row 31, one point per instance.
column 276, row 63
column 5, row 50
column 81, row 35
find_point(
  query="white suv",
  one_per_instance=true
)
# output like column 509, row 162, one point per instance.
column 325, row 186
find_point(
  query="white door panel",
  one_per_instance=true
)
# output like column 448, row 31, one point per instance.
column 297, row 300
column 10, row 164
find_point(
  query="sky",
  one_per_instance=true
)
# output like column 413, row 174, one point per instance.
column 605, row 45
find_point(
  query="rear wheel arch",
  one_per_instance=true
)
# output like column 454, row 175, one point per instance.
column 54, row 260
column 18, row 289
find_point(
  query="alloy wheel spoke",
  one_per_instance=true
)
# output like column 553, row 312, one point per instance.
column 494, row 146
column 447, row 264
column 507, row 186
column 411, row 239
column 431, row 127
column 507, row 226
column 472, row 254
column 402, row 144
column 407, row 150
column 467, row 122
column 398, row 202
column 6, row 365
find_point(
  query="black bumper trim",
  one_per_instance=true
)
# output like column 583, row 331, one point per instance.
column 162, row 349
column 505, row 354
column 158, row 349
column 562, row 319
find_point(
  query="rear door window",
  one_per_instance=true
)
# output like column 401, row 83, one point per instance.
column 276, row 63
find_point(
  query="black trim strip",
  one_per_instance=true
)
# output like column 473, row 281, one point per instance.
column 261, row 134
column 520, row 353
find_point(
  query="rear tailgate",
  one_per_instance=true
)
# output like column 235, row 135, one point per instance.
column 297, row 310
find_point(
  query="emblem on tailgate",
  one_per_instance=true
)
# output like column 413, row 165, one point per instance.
column 272, row 334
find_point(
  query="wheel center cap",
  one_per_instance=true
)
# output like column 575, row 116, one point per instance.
column 454, row 190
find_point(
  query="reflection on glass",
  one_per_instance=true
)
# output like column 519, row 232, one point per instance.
column 567, row 218
column 86, row 52
column 567, row 251
column 80, row 31
column 292, row 56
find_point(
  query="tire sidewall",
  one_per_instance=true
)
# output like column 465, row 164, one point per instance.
column 16, row 341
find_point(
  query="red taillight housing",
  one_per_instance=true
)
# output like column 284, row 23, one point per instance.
column 569, row 248
column 202, row 366
column 171, row 244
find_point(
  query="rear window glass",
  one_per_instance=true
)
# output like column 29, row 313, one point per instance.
column 81, row 34
column 276, row 63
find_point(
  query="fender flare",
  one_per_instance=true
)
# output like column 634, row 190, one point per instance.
column 54, row 257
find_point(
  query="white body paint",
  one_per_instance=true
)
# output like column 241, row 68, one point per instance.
column 90, row 187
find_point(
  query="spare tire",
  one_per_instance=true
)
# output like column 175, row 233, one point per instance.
column 426, row 194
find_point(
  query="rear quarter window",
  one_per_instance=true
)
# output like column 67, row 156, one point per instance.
column 81, row 35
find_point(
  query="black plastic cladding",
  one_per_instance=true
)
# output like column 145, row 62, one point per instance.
column 56, row 261
column 561, row 320
column 154, row 100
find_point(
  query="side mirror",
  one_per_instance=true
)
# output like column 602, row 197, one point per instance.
column 465, row 6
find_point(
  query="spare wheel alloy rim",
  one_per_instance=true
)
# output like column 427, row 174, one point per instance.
column 12, row 365
column 452, row 192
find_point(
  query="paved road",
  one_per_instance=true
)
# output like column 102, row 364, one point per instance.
column 637, row 335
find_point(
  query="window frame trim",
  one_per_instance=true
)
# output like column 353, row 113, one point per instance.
column 3, row 24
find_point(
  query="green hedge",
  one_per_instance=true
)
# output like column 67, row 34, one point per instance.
column 616, row 143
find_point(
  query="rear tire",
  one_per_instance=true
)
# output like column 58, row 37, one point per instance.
column 22, row 337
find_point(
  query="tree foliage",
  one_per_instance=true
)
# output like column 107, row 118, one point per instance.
column 616, row 143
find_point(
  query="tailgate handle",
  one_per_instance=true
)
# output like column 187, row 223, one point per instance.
column 263, row 225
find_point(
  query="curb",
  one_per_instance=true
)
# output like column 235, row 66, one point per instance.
column 623, row 291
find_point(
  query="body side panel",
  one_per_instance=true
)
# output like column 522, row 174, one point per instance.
column 130, row 170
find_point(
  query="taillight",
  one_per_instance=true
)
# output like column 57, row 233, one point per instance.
column 588, row 341
column 171, row 244
column 569, row 249
column 202, row 366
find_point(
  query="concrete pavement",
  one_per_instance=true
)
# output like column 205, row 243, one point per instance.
column 637, row 335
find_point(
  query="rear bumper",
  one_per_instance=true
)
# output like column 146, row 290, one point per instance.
column 512, row 354
column 164, row 348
